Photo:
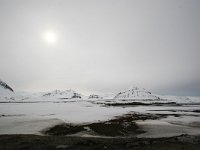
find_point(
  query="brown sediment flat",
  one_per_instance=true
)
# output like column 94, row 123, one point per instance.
column 36, row 142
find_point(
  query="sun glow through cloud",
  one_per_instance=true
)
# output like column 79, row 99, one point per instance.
column 50, row 37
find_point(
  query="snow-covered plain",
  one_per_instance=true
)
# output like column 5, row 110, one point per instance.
column 30, row 113
column 31, row 118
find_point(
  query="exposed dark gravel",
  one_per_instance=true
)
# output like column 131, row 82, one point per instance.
column 35, row 142
column 119, row 126
column 125, row 104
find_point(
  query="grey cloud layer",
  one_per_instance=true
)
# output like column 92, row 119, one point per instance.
column 103, row 45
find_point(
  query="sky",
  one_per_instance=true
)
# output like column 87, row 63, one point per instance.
column 101, row 46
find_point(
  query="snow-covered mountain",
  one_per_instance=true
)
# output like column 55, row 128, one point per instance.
column 108, row 95
column 66, row 94
column 180, row 99
column 94, row 96
column 136, row 93
column 5, row 89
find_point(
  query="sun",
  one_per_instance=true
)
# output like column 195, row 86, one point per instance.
column 50, row 37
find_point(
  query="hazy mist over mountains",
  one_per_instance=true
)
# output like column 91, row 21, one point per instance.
column 101, row 46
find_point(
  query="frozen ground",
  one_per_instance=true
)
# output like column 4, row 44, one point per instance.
column 35, row 115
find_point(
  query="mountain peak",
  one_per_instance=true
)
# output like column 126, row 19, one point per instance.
column 5, row 86
column 5, row 89
column 135, row 92
column 136, row 88
column 66, row 94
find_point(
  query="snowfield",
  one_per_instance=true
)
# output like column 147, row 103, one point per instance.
column 31, row 118
column 31, row 113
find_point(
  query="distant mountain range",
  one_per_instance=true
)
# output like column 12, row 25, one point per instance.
column 132, row 93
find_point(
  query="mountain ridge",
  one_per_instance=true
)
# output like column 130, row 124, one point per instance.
column 5, row 89
column 135, row 93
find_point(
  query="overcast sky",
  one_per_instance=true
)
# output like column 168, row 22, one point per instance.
column 101, row 46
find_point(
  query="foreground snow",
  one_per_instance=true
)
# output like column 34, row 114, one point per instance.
column 30, row 113
column 31, row 118
column 21, row 117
